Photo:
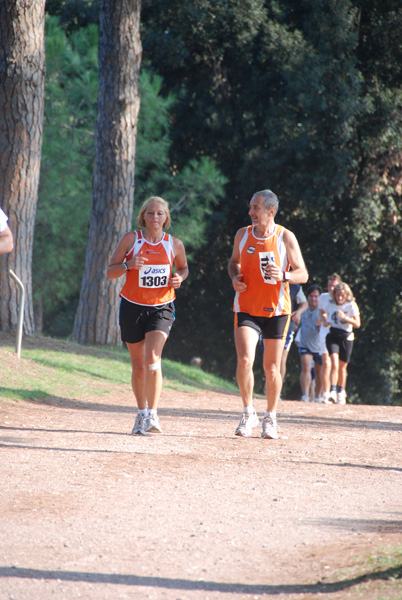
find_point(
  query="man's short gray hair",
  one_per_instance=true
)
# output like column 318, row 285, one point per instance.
column 269, row 198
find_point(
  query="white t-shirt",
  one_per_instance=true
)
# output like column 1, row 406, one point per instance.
column 300, row 297
column 350, row 309
column 3, row 220
column 323, row 302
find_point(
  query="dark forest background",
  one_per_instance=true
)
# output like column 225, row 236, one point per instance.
column 303, row 98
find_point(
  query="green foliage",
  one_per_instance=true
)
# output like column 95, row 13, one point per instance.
column 67, row 163
column 300, row 97
column 68, row 370
column 303, row 98
column 67, row 159
column 192, row 191
column 74, row 14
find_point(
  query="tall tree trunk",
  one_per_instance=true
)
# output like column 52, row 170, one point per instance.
column 113, row 181
column 22, row 88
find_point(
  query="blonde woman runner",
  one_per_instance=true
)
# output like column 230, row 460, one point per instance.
column 343, row 315
column 154, row 265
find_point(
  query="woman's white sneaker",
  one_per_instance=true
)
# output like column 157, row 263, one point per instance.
column 140, row 426
column 247, row 422
column 152, row 425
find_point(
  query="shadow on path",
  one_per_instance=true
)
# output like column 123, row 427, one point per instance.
column 352, row 465
column 43, row 398
column 361, row 525
column 208, row 586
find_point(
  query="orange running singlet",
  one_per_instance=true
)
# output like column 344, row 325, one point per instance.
column 149, row 285
column 264, row 297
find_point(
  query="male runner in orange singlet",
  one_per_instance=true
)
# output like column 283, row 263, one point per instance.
column 266, row 258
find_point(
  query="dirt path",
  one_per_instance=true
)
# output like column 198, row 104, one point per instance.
column 89, row 511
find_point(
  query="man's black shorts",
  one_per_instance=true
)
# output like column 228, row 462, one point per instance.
column 272, row 328
column 136, row 320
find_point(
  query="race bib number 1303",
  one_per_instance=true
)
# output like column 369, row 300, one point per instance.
column 154, row 276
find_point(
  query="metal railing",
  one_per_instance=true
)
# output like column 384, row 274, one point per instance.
column 18, row 339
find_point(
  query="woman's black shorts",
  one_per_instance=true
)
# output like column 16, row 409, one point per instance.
column 338, row 344
column 136, row 320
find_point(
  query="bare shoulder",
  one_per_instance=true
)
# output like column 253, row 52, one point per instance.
column 125, row 244
column 128, row 238
column 179, row 250
column 240, row 232
column 236, row 245
column 177, row 243
column 289, row 237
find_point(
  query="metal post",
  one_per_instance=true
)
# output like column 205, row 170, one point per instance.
column 18, row 338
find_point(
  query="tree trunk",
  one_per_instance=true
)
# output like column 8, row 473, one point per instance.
column 22, row 88
column 96, row 320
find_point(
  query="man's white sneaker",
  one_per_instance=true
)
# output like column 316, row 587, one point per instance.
column 305, row 398
column 341, row 397
column 247, row 422
column 269, row 429
column 152, row 425
column 139, row 426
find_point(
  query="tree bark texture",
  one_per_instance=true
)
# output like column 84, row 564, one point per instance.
column 22, row 88
column 96, row 320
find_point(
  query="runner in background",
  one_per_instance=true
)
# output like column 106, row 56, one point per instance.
column 323, row 301
column 309, row 346
column 343, row 315
column 299, row 306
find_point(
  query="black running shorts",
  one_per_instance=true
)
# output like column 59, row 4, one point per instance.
column 272, row 328
column 136, row 320
column 339, row 345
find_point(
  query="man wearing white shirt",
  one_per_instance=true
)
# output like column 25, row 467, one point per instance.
column 6, row 237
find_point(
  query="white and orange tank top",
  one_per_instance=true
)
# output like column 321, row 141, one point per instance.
column 149, row 286
column 264, row 297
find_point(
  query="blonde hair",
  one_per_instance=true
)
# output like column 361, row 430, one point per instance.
column 147, row 203
column 348, row 292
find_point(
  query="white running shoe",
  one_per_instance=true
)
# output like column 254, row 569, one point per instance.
column 269, row 429
column 139, row 425
column 332, row 398
column 318, row 400
column 341, row 397
column 152, row 425
column 305, row 398
column 326, row 399
column 247, row 422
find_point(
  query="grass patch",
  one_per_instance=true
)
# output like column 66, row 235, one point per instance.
column 54, row 367
column 184, row 377
column 377, row 577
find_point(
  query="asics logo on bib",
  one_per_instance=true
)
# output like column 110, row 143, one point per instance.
column 152, row 271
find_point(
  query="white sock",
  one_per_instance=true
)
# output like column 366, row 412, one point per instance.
column 248, row 410
column 271, row 414
column 152, row 412
column 143, row 412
